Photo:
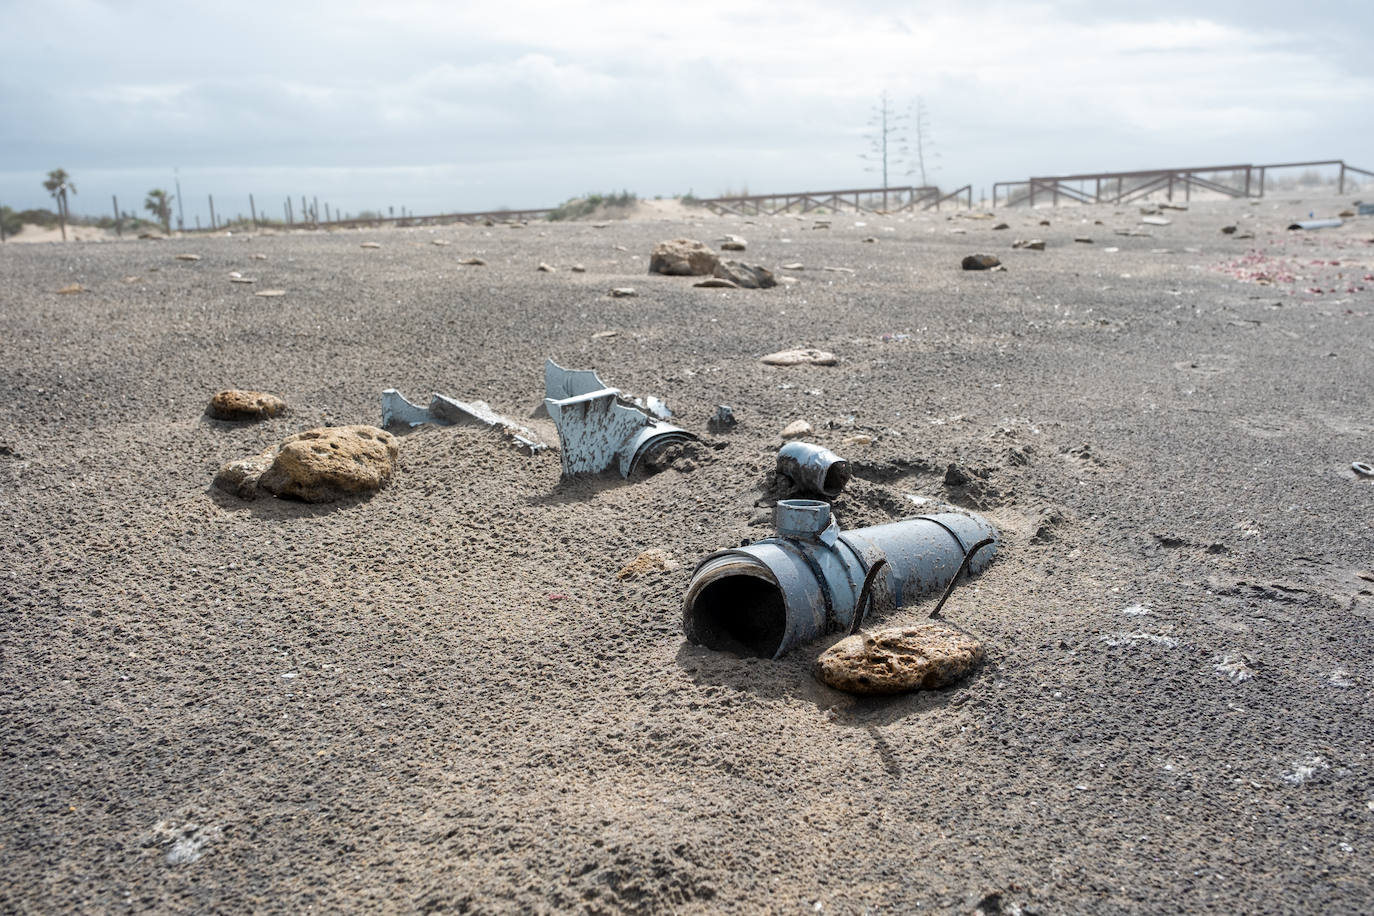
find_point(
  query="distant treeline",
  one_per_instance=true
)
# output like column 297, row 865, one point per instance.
column 14, row 220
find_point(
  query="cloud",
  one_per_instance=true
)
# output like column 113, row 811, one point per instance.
column 721, row 93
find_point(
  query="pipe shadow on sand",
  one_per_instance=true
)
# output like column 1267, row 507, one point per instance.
column 791, row 677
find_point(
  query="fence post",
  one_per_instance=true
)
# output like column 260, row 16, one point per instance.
column 119, row 228
column 253, row 211
column 1341, row 187
column 212, row 211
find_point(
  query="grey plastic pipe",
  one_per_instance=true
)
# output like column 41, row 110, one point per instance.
column 776, row 594
column 814, row 468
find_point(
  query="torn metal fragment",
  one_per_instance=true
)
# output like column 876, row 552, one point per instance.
column 597, row 427
column 446, row 411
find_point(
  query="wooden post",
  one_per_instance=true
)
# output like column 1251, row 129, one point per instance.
column 119, row 228
column 1341, row 188
column 212, row 211
column 1188, row 186
column 1262, row 171
column 290, row 217
column 1247, row 181
column 326, row 211
column 252, row 209
column 315, row 210
column 197, row 222
column 1170, row 193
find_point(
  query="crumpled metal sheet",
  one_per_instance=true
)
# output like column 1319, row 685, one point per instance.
column 446, row 411
column 597, row 428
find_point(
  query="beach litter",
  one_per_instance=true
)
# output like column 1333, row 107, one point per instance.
column 598, row 429
column 1029, row 244
column 1308, row 224
column 768, row 597
column 722, row 420
column 1156, row 221
column 813, row 469
column 399, row 413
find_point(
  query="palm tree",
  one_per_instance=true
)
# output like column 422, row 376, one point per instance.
column 58, row 184
column 159, row 203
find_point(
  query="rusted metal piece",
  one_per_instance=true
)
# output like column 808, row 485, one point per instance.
column 768, row 597
column 866, row 595
column 968, row 558
column 598, row 428
column 813, row 468
column 397, row 412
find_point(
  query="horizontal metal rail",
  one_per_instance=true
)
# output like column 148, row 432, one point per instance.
column 1135, row 185
column 857, row 200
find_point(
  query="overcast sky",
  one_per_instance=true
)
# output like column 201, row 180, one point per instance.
column 443, row 106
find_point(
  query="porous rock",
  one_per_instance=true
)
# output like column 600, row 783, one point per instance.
column 682, row 258
column 316, row 466
column 233, row 404
column 747, row 276
column 650, row 561
column 796, row 429
column 899, row 659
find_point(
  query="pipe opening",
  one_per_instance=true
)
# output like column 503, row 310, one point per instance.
column 836, row 476
column 742, row 614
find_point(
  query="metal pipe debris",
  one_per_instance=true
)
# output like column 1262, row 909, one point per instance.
column 769, row 597
column 597, row 428
column 813, row 468
column 445, row 411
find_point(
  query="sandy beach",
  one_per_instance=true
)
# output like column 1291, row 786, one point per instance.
column 441, row 698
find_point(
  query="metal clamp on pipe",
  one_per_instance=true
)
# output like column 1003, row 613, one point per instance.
column 776, row 594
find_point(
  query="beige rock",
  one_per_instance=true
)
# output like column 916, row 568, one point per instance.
column 578, row 269
column 795, row 265
column 623, row 292
column 440, row 242
column 899, row 659
column 682, row 258
column 716, row 283
column 545, row 268
column 270, row 293
column 370, row 245
column 188, row 257
column 71, row 288
column 799, row 357
column 650, row 561
column 259, row 257
column 318, row 465
column 796, row 429
column 233, row 404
